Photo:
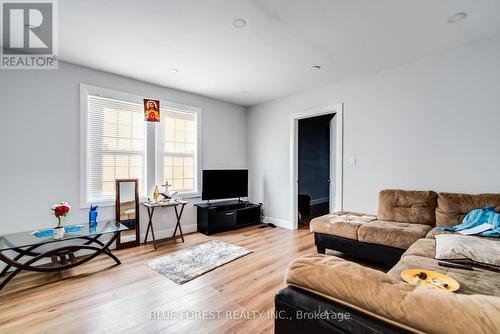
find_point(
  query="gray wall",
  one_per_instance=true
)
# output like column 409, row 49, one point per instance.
column 433, row 124
column 40, row 140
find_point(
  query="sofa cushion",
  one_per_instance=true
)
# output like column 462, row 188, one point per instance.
column 422, row 247
column 342, row 224
column 407, row 206
column 421, row 255
column 376, row 293
column 435, row 231
column 478, row 281
column 452, row 208
column 394, row 234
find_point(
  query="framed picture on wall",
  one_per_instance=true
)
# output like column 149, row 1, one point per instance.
column 151, row 110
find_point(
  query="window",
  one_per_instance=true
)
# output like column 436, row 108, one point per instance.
column 177, row 156
column 116, row 146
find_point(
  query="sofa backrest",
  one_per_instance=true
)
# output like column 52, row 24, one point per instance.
column 407, row 206
column 452, row 208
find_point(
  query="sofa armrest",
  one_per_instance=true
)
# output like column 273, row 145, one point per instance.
column 378, row 295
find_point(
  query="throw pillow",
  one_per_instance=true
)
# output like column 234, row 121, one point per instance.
column 461, row 247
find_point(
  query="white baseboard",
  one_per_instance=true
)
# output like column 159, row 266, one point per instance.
column 278, row 222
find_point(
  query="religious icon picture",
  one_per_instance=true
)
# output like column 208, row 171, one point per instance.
column 151, row 110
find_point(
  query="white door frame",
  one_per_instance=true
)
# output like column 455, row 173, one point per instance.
column 332, row 159
column 338, row 110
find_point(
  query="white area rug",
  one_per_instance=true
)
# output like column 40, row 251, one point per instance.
column 187, row 264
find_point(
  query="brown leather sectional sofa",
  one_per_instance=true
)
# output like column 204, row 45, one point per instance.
column 401, row 236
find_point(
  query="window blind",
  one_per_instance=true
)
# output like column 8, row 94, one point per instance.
column 177, row 150
column 116, row 146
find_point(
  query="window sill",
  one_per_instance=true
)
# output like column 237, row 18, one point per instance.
column 189, row 195
column 104, row 204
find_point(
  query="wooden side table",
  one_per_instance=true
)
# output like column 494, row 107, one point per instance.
column 178, row 214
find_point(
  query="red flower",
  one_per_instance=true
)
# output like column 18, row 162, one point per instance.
column 61, row 209
column 58, row 211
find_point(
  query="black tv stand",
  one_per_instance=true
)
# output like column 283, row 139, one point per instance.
column 223, row 216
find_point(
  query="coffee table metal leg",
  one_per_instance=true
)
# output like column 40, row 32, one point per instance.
column 11, row 276
column 22, row 252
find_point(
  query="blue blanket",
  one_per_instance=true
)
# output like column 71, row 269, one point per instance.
column 476, row 217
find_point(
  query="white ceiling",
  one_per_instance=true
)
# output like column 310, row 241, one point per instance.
column 272, row 56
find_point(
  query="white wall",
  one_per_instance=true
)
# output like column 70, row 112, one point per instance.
column 40, row 140
column 433, row 124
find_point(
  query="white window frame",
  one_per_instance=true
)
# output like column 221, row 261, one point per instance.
column 85, row 91
column 159, row 135
column 150, row 141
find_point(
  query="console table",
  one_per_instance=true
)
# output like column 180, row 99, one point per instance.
column 178, row 214
column 16, row 247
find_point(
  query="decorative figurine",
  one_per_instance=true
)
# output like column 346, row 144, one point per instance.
column 166, row 193
column 156, row 194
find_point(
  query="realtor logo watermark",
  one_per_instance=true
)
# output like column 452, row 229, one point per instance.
column 29, row 34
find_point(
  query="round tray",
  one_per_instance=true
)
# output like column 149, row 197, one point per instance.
column 432, row 280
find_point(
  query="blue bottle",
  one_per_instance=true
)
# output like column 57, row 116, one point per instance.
column 93, row 217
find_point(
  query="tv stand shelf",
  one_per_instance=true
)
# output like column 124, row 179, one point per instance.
column 224, row 216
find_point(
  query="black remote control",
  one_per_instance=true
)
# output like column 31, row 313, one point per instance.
column 455, row 265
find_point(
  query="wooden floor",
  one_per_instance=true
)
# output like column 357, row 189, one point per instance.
column 101, row 298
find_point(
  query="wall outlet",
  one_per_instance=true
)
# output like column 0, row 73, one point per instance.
column 352, row 160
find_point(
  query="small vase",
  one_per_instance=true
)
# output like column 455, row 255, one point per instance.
column 59, row 232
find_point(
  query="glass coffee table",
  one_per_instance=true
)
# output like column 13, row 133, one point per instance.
column 22, row 250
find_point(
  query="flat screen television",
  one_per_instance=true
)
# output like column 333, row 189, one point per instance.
column 220, row 184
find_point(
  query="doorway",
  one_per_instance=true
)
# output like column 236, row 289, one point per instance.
column 314, row 158
column 316, row 163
